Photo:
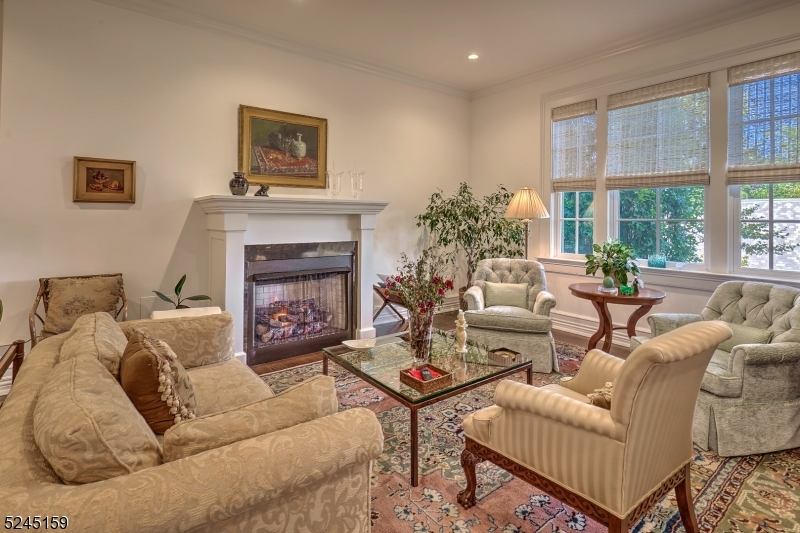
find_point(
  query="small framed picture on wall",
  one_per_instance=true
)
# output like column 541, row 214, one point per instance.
column 104, row 180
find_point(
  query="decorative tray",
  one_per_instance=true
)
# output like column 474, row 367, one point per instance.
column 445, row 379
column 504, row 356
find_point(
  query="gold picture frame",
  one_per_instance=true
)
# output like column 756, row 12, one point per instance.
column 282, row 149
column 104, row 180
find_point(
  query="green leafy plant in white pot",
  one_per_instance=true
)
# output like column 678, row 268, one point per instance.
column 178, row 302
column 615, row 260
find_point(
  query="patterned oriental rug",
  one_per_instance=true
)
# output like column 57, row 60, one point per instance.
column 758, row 493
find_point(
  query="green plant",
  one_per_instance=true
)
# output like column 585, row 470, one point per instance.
column 475, row 228
column 613, row 258
column 178, row 303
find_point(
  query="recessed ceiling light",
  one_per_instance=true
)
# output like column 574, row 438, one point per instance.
column 472, row 56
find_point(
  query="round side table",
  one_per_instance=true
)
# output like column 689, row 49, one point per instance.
column 645, row 299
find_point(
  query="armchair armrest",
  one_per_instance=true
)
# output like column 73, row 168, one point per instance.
column 764, row 354
column 203, row 490
column 474, row 298
column 597, row 369
column 769, row 372
column 544, row 303
column 550, row 404
column 661, row 323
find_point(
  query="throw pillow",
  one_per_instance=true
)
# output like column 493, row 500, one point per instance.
column 511, row 294
column 69, row 299
column 602, row 397
column 156, row 382
column 745, row 335
column 87, row 428
column 310, row 400
column 198, row 341
column 97, row 335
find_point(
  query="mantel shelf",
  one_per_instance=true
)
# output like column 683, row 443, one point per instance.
column 219, row 204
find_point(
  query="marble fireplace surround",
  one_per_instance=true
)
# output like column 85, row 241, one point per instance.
column 236, row 221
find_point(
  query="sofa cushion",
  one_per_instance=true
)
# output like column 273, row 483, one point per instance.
column 225, row 386
column 70, row 298
column 506, row 318
column 718, row 380
column 96, row 335
column 86, row 427
column 745, row 335
column 156, row 382
column 511, row 294
column 197, row 341
column 312, row 399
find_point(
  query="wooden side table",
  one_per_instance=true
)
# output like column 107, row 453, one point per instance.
column 391, row 300
column 645, row 299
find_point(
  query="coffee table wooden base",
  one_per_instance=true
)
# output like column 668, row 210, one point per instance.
column 414, row 408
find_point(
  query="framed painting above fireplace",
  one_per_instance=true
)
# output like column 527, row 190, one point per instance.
column 282, row 149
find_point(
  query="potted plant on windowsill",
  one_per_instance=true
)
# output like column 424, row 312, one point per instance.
column 615, row 260
column 179, row 301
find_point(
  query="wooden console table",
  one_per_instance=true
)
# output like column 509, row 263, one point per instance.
column 645, row 299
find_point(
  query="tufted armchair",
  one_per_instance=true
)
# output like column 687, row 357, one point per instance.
column 750, row 397
column 525, row 327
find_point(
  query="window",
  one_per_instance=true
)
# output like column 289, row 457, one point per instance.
column 577, row 222
column 574, row 174
column 666, row 221
column 769, row 218
column 764, row 160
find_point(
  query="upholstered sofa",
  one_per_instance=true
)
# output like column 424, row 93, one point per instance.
column 520, row 322
column 310, row 472
column 749, row 400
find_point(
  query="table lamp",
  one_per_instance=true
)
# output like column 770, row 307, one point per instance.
column 524, row 206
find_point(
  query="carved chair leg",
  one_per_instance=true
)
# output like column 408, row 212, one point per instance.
column 617, row 525
column 683, row 493
column 467, row 496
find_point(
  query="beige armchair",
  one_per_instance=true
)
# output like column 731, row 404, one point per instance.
column 610, row 464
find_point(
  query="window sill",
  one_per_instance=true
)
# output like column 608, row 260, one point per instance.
column 665, row 277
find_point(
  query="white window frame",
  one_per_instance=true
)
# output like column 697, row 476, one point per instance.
column 736, row 245
column 559, row 218
column 613, row 230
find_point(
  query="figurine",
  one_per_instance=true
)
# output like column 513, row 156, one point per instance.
column 263, row 191
column 461, row 333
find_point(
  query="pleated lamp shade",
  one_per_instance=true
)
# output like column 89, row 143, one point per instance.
column 526, row 205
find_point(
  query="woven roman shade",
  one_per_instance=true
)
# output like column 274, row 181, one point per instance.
column 574, row 149
column 658, row 135
column 763, row 118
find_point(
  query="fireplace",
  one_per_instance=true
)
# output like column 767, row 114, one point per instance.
column 299, row 298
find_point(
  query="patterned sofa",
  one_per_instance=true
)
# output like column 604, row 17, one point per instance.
column 525, row 328
column 749, row 400
column 312, row 476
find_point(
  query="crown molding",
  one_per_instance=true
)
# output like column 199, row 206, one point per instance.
column 742, row 11
column 202, row 21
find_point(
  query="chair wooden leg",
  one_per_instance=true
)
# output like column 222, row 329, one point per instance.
column 467, row 496
column 617, row 525
column 683, row 493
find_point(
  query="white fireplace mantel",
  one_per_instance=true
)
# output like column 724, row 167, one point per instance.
column 233, row 221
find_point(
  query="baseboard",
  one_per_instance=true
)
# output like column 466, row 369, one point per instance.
column 586, row 327
column 241, row 356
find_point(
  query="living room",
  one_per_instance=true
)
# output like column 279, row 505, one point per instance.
column 160, row 91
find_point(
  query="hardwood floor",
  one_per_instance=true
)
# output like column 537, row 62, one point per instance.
column 443, row 321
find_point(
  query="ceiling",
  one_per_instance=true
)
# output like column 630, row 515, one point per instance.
column 428, row 41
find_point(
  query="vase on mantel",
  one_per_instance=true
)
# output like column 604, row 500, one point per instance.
column 238, row 184
column 421, row 335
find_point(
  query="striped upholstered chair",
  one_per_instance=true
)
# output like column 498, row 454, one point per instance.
column 611, row 464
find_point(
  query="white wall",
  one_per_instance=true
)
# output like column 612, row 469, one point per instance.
column 82, row 78
column 508, row 135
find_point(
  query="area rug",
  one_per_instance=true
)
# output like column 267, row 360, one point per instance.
column 743, row 494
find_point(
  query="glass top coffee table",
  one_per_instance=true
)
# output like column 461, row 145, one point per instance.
column 381, row 366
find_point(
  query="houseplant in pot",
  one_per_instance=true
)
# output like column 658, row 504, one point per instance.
column 179, row 301
column 473, row 228
column 615, row 260
column 421, row 284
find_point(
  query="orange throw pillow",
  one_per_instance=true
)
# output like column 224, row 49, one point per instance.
column 156, row 382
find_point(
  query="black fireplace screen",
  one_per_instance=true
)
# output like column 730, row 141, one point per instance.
column 299, row 307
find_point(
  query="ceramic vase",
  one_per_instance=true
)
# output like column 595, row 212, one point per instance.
column 421, row 334
column 238, row 184
column 299, row 147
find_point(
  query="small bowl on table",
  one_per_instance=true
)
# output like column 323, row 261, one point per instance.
column 360, row 345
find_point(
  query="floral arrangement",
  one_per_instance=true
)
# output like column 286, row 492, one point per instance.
column 421, row 284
